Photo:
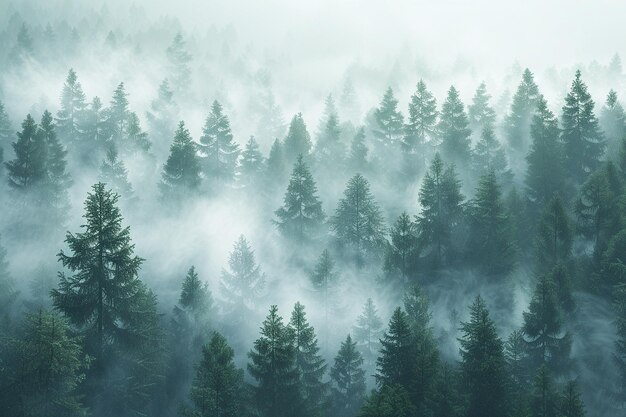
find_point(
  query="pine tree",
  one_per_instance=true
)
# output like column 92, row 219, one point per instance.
column 178, row 60
column 389, row 401
column 218, row 149
column 95, row 131
column 613, row 123
column 395, row 365
column 118, row 116
column 71, row 114
column 298, row 140
column 454, row 130
column 58, row 179
column 43, row 367
column 357, row 159
column 137, row 139
column 28, row 171
column 6, row 132
column 301, row 217
column 583, row 141
column 389, row 120
column 7, row 286
column 329, row 150
column 547, row 343
column 489, row 155
column 324, row 279
column 358, row 223
column 523, row 107
column 271, row 123
column 218, row 386
column 113, row 173
column 544, row 398
column 480, row 113
column 243, row 282
column 440, row 198
column 181, row 172
column 401, row 254
column 310, row 366
column 516, row 361
column 620, row 342
column 571, row 403
column 554, row 238
column 546, row 174
column 483, row 364
column 252, row 164
column 162, row 117
column 276, row 165
column 490, row 246
column 273, row 365
column 421, row 124
column 348, row 379
column 368, row 331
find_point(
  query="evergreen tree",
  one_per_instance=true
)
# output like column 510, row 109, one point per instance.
column 137, row 139
column 252, row 164
column 178, row 60
column 547, row 343
column 489, row 155
column 276, row 165
column 118, row 115
column 43, row 367
column 571, row 404
column 218, row 149
column 348, row 379
column 613, row 123
column 545, row 175
column 329, row 150
column 367, row 331
column 218, row 386
column 113, row 173
column 28, row 170
column 390, row 401
column 181, row 172
column 454, row 129
column 490, row 246
column 480, row 113
column 421, row 124
column 301, row 217
column 483, row 364
column 58, row 179
column 544, row 399
column 7, row 286
column 243, row 282
column 395, row 365
column 95, row 131
column 298, row 140
column 518, row 120
column 357, row 159
column 620, row 342
column 389, row 121
column 310, row 366
column 402, row 252
column 6, row 132
column 358, row 223
column 72, row 110
column 162, row 117
column 516, row 361
column 583, row 141
column 273, row 365
column 554, row 238
column 440, row 198
column 324, row 279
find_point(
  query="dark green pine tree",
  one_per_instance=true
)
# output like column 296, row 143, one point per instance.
column 547, row 343
column 395, row 365
column 181, row 172
column 348, row 380
column 252, row 165
column 58, row 178
column 612, row 268
column 113, row 173
column 389, row 121
column 571, row 403
column 441, row 201
column 421, row 126
column 613, row 123
column 480, row 113
column 389, row 401
column 276, row 165
column 162, row 117
column 519, row 381
column 482, row 364
column 29, row 170
column 490, row 245
column 218, row 387
column 489, row 155
column 106, row 303
column 329, row 149
column 324, row 280
column 310, row 366
column 218, row 150
column 620, row 342
column 7, row 287
column 583, row 141
column 517, row 122
column 545, row 400
column 95, row 131
column 242, row 284
column 401, row 254
column 357, row 158
column 273, row 366
column 554, row 237
column 6, row 133
column 358, row 223
column 178, row 60
column 454, row 130
column 136, row 138
column 301, row 217
column 43, row 368
column 367, row 332
column 123, row 125
column 447, row 400
column 545, row 175
column 298, row 140
column 72, row 111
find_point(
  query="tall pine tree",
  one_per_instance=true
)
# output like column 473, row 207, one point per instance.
column 218, row 150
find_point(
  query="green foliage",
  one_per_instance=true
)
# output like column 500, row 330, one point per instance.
column 181, row 172
column 454, row 129
column 421, row 126
column 29, row 168
column 71, row 114
column 252, row 164
column 544, row 397
column 554, row 237
column 390, row 401
column 368, row 331
column 489, row 155
column 389, row 120
column 357, row 158
column 480, row 113
column 113, row 173
column 298, row 140
column 401, row 254
column 329, row 150
column 178, row 63
column 571, row 403
column 348, row 380
column 522, row 109
column 219, row 152
column 613, row 123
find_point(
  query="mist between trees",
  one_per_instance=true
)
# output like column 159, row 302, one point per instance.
column 189, row 229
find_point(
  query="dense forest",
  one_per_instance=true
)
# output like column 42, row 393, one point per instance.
column 190, row 227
